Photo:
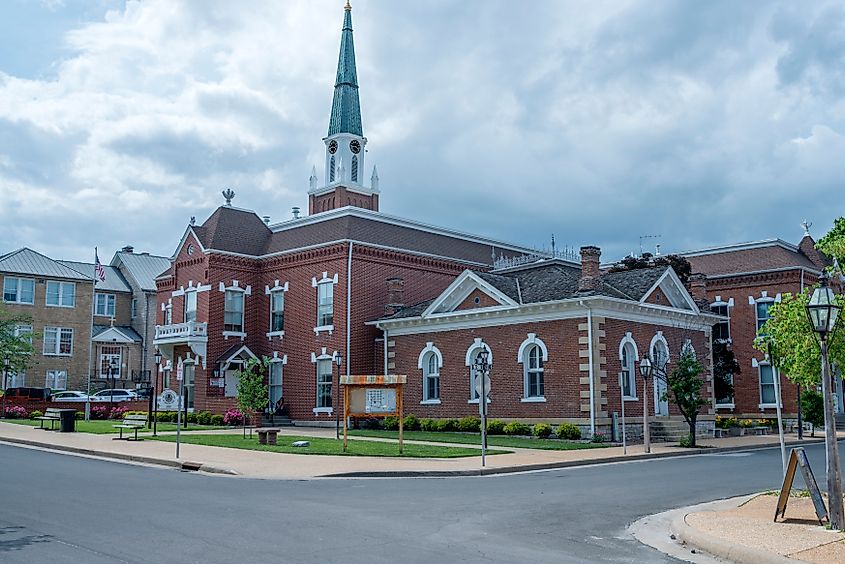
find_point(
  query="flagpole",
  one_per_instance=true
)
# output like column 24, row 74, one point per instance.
column 91, row 338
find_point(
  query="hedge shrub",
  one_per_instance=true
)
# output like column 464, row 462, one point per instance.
column 217, row 419
column 496, row 427
column 542, row 430
column 446, row 425
column 411, row 423
column 204, row 418
column 427, row 424
column 569, row 432
column 517, row 428
column 34, row 414
column 469, row 425
column 390, row 423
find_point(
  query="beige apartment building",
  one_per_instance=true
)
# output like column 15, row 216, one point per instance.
column 61, row 301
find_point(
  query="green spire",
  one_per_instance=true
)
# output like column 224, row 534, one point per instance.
column 346, row 109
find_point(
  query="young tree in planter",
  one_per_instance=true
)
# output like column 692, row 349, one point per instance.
column 253, row 392
column 685, row 383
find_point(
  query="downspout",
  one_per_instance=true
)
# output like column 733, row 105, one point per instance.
column 591, row 370
column 348, row 307
column 802, row 280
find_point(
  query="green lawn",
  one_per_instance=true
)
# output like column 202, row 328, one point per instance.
column 475, row 438
column 329, row 446
column 104, row 427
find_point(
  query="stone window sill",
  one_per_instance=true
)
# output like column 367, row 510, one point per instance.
column 239, row 335
column 476, row 401
column 326, row 410
column 631, row 398
column 431, row 402
column 725, row 406
column 272, row 334
column 324, row 329
column 539, row 399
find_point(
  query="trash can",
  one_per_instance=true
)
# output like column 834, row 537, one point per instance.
column 67, row 421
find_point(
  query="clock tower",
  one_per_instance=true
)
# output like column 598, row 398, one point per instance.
column 345, row 142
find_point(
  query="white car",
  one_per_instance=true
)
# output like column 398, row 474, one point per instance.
column 114, row 395
column 69, row 395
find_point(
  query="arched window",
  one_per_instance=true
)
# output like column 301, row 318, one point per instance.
column 659, row 354
column 431, row 378
column 533, row 368
column 331, row 169
column 472, row 354
column 354, row 168
column 629, row 374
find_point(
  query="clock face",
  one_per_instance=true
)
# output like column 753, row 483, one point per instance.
column 333, row 147
column 355, row 146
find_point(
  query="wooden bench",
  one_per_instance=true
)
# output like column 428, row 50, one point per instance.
column 134, row 422
column 267, row 436
column 51, row 415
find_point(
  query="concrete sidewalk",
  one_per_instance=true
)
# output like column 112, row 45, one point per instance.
column 270, row 465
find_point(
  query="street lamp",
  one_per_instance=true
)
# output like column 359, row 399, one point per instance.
column 338, row 360
column 111, row 369
column 646, row 370
column 6, row 362
column 482, row 369
column 822, row 311
column 155, row 392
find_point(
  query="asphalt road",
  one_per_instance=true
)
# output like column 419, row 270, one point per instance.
column 58, row 508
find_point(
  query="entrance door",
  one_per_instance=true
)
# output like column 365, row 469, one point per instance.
column 661, row 406
column 660, row 361
column 232, row 379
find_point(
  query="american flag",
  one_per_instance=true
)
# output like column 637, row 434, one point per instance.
column 99, row 271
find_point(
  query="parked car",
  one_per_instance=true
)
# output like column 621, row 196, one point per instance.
column 114, row 395
column 70, row 395
column 28, row 393
column 143, row 393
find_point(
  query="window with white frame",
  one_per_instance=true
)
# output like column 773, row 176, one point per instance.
column 168, row 314
column 58, row 341
column 16, row 379
column 431, row 377
column 104, row 305
column 721, row 330
column 325, row 304
column 277, row 311
column 18, row 290
column 767, row 384
column 56, row 380
column 629, row 373
column 762, row 311
column 727, row 398
column 24, row 331
column 533, row 372
column 110, row 359
column 276, row 374
column 190, row 306
column 134, row 308
column 233, row 315
column 61, row 294
column 324, row 383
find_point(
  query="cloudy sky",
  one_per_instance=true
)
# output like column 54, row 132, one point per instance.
column 598, row 122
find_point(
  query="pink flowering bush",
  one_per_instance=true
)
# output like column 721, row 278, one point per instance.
column 233, row 417
column 99, row 412
column 118, row 412
column 16, row 412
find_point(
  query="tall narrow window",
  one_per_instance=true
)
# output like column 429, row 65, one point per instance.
column 61, row 294
column 325, row 304
column 331, row 169
column 275, row 383
column 168, row 314
column 324, row 382
column 234, row 312
column 629, row 382
column 767, row 385
column 721, row 330
column 354, row 168
column 431, row 378
column 134, row 308
column 190, row 306
column 762, row 310
column 277, row 311
column 533, row 366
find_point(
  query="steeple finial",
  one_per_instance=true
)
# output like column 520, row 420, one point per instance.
column 346, row 108
column 312, row 180
column 228, row 194
column 806, row 225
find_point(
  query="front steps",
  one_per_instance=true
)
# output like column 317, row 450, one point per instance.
column 670, row 431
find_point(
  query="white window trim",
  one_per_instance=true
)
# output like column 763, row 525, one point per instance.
column 18, row 290
column 629, row 339
column 47, row 375
column 316, row 284
column 431, row 402
column 58, row 341
column 658, row 337
column 314, row 358
column 61, row 294
column 775, row 374
column 531, row 340
column 429, row 349
column 191, row 288
column 725, row 406
column 107, row 296
column 269, row 292
column 246, row 291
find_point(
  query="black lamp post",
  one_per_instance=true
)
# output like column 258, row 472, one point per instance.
column 646, row 370
column 338, row 360
column 155, row 392
column 6, row 362
column 112, row 368
column 482, row 370
column 823, row 312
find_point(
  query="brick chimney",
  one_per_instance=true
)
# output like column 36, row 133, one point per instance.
column 128, row 249
column 395, row 296
column 698, row 289
column 590, row 280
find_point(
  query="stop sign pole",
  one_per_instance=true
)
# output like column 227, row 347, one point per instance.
column 482, row 387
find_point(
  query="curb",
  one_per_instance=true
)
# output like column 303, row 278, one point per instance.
column 720, row 548
column 181, row 465
column 557, row 465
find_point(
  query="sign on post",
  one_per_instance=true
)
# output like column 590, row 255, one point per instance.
column 482, row 386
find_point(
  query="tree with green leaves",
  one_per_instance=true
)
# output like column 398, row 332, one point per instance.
column 725, row 367
column 685, row 384
column 833, row 243
column 253, row 391
column 812, row 408
column 14, row 344
column 679, row 264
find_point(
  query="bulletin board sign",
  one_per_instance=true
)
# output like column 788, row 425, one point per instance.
column 373, row 395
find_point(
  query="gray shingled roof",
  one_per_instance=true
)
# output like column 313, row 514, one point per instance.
column 143, row 267
column 27, row 261
column 114, row 281
column 125, row 329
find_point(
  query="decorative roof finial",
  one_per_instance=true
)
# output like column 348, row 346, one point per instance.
column 193, row 220
column 806, row 225
column 228, row 193
column 348, row 6
column 553, row 244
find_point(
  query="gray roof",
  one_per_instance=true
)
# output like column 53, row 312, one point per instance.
column 114, row 281
column 125, row 329
column 552, row 282
column 28, row 262
column 143, row 267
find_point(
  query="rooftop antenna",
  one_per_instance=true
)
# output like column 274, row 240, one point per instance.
column 553, row 244
column 228, row 193
column 644, row 237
